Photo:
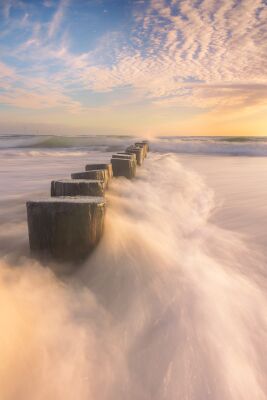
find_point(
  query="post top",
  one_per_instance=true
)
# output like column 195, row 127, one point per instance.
column 88, row 172
column 121, row 159
column 96, row 165
column 123, row 156
column 77, row 181
column 133, row 148
column 69, row 200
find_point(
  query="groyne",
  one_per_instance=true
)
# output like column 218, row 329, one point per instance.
column 68, row 225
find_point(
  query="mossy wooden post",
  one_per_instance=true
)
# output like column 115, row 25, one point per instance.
column 77, row 187
column 65, row 228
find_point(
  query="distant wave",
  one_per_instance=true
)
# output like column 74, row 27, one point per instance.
column 237, row 146
column 100, row 142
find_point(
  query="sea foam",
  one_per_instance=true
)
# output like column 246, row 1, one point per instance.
column 169, row 305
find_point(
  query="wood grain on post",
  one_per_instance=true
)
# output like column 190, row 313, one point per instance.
column 98, row 174
column 125, row 156
column 124, row 167
column 138, row 151
column 77, row 187
column 144, row 147
column 97, row 166
column 65, row 228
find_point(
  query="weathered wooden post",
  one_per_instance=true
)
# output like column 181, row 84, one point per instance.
column 77, row 187
column 125, row 156
column 147, row 145
column 138, row 151
column 65, row 228
column 124, row 167
column 98, row 174
column 96, row 166
column 143, row 146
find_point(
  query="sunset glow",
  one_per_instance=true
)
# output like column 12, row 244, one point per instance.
column 126, row 67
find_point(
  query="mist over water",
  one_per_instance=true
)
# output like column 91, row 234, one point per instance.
column 171, row 305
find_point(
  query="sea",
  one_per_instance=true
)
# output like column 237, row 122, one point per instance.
column 171, row 305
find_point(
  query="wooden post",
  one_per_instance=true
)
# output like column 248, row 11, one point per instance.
column 138, row 151
column 125, row 156
column 65, row 228
column 77, row 187
column 143, row 146
column 98, row 174
column 124, row 167
column 96, row 166
column 147, row 144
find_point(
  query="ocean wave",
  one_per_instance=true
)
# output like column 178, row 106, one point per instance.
column 212, row 146
column 97, row 142
column 236, row 146
column 169, row 305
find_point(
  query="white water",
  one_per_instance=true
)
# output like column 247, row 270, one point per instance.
column 172, row 304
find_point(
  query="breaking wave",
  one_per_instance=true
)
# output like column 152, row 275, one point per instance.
column 236, row 146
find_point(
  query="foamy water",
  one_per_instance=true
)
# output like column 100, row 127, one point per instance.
column 171, row 305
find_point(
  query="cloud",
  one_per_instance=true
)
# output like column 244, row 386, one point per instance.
column 6, row 7
column 219, row 98
column 57, row 18
column 206, row 54
column 6, row 71
column 48, row 3
column 39, row 100
column 210, row 42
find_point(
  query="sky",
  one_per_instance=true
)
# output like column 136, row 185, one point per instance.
column 149, row 67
